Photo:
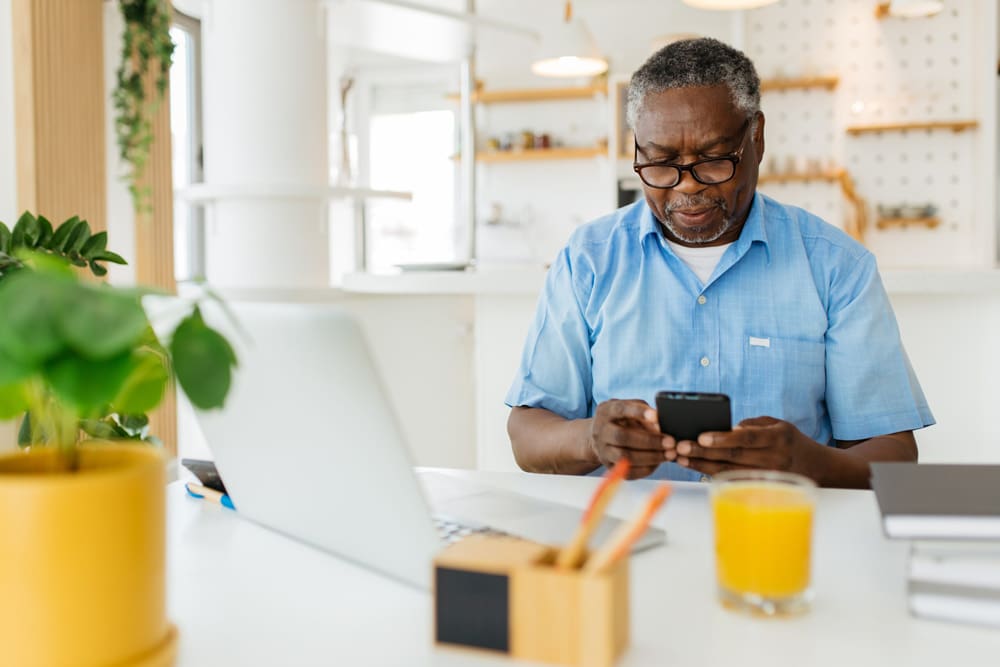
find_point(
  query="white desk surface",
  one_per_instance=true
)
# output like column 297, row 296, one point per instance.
column 243, row 595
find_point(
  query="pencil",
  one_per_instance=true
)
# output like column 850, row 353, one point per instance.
column 572, row 554
column 205, row 493
column 619, row 544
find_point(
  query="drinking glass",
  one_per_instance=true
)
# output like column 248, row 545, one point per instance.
column 763, row 538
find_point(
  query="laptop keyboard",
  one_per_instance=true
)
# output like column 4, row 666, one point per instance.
column 451, row 530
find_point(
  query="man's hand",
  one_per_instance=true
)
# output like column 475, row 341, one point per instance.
column 761, row 442
column 629, row 429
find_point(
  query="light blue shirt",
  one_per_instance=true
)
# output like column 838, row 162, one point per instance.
column 794, row 324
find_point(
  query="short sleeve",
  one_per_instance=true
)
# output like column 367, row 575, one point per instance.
column 871, row 388
column 555, row 369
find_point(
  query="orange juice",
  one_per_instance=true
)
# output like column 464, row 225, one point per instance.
column 763, row 534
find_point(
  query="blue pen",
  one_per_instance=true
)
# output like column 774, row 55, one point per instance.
column 205, row 493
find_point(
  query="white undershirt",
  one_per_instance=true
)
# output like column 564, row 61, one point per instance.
column 701, row 260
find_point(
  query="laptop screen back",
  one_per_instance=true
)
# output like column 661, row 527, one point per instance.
column 308, row 445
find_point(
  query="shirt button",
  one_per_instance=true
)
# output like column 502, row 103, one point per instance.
column 704, row 361
column 702, row 300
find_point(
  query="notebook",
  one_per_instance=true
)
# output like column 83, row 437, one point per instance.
column 938, row 501
column 309, row 446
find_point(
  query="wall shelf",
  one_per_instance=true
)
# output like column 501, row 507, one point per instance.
column 886, row 223
column 792, row 83
column 856, row 222
column 799, row 177
column 954, row 125
column 538, row 94
column 534, row 154
column 210, row 192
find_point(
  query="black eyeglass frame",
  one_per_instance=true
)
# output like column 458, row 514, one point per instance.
column 733, row 157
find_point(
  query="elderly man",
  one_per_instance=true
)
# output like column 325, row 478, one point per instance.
column 710, row 286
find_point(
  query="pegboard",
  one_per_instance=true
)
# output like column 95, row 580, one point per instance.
column 890, row 70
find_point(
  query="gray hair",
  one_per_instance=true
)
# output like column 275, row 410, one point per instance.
column 695, row 62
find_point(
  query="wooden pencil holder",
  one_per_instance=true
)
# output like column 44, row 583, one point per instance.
column 504, row 594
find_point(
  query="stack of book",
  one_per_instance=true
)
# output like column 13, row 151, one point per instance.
column 951, row 515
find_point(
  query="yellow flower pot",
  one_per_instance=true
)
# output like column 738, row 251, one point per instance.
column 83, row 560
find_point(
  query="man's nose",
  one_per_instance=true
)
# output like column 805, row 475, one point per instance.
column 688, row 184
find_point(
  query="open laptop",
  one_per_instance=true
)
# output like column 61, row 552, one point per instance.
column 308, row 445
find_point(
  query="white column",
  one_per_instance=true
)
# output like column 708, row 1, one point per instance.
column 265, row 129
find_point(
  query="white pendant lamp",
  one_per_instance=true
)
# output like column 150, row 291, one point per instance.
column 909, row 8
column 729, row 4
column 569, row 51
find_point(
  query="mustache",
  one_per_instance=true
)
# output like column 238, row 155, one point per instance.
column 696, row 202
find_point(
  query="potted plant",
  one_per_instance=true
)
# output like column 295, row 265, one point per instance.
column 82, row 522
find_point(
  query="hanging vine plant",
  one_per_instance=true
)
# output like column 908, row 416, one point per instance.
column 147, row 52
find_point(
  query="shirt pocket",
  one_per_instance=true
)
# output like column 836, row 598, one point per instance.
column 783, row 377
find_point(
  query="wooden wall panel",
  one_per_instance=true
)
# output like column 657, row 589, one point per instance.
column 154, row 246
column 59, row 111
column 61, row 143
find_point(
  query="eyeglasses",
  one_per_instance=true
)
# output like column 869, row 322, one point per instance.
column 710, row 171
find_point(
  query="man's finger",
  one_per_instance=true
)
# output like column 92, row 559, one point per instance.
column 639, row 457
column 693, row 450
column 744, row 437
column 630, row 437
column 629, row 409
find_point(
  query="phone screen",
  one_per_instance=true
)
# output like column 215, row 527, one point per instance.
column 687, row 414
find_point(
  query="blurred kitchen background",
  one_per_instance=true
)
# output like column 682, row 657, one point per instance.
column 402, row 158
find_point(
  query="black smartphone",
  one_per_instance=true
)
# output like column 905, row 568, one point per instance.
column 206, row 473
column 687, row 414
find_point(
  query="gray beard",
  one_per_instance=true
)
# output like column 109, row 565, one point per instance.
column 688, row 235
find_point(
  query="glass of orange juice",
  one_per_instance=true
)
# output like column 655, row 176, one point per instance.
column 763, row 539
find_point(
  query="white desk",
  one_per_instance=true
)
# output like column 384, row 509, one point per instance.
column 243, row 595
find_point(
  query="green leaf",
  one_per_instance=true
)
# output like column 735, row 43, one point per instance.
column 101, row 322
column 44, row 232
column 144, row 387
column 86, row 384
column 31, row 303
column 108, row 256
column 94, row 245
column 62, row 233
column 76, row 238
column 29, row 229
column 17, row 236
column 13, row 401
column 4, row 239
column 203, row 361
column 97, row 269
column 24, row 432
column 134, row 422
column 47, row 263
column 12, row 370
column 97, row 428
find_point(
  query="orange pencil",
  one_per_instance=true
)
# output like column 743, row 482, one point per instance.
column 572, row 554
column 619, row 544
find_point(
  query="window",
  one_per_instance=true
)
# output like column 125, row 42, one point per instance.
column 185, row 130
column 412, row 152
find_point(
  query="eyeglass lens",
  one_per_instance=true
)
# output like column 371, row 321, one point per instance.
column 709, row 173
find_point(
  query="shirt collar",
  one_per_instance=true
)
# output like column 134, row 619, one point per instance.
column 753, row 229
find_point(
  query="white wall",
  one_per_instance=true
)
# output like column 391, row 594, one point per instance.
column 120, row 214
column 8, row 165
column 422, row 348
column 8, row 170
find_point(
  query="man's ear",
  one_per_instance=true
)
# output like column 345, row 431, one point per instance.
column 758, row 136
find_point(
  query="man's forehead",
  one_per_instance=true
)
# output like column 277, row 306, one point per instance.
column 683, row 114
column 690, row 100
